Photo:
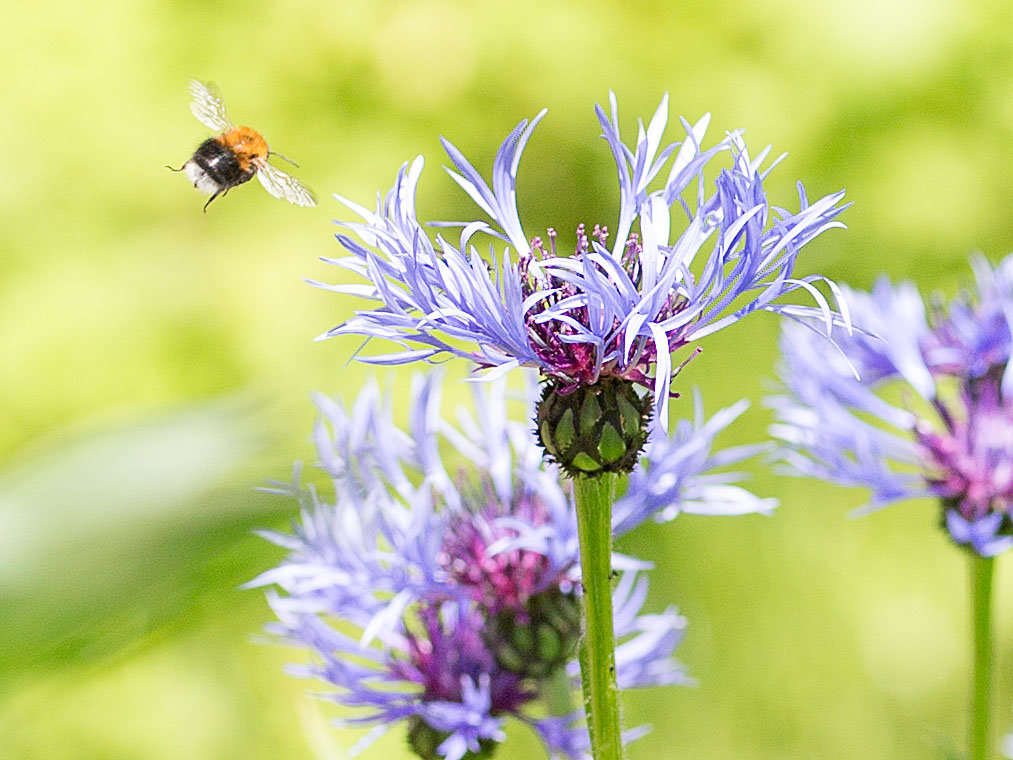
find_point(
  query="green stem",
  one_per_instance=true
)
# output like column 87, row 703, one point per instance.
column 981, row 614
column 598, row 646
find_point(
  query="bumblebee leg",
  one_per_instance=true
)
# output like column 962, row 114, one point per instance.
column 209, row 200
column 175, row 170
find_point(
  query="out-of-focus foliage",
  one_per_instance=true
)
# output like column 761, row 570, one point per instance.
column 158, row 361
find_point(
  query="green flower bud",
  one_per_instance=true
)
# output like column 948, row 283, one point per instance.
column 424, row 741
column 594, row 429
column 536, row 642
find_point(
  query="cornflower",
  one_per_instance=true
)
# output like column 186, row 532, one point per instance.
column 601, row 324
column 917, row 403
column 621, row 303
column 949, row 437
column 451, row 603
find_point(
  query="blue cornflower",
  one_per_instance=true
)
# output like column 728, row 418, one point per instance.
column 448, row 602
column 621, row 304
column 953, row 442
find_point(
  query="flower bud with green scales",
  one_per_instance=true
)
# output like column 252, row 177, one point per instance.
column 590, row 430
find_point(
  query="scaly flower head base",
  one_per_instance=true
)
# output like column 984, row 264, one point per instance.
column 596, row 429
column 541, row 639
column 426, row 742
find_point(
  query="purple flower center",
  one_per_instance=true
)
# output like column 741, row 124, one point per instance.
column 972, row 457
column 577, row 363
column 448, row 647
column 502, row 580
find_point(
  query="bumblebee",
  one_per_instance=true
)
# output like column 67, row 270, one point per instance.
column 234, row 156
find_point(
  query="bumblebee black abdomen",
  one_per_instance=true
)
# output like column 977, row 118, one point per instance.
column 220, row 164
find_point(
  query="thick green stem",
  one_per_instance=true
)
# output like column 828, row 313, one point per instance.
column 981, row 615
column 598, row 646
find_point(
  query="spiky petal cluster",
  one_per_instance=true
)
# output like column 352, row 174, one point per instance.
column 951, row 438
column 444, row 602
column 621, row 304
column 684, row 473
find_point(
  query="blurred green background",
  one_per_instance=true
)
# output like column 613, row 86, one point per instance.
column 158, row 361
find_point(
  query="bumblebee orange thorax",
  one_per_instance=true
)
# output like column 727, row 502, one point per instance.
column 247, row 145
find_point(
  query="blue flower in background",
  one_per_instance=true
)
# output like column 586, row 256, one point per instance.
column 622, row 303
column 677, row 473
column 952, row 438
column 450, row 601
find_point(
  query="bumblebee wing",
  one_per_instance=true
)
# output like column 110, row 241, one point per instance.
column 281, row 185
column 208, row 107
